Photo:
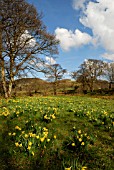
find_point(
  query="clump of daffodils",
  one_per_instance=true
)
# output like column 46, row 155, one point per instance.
column 79, row 140
column 30, row 141
column 48, row 117
column 17, row 127
column 5, row 112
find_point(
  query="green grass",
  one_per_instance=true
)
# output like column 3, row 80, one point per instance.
column 49, row 133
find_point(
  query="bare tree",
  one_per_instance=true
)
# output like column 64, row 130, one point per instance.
column 53, row 73
column 90, row 70
column 0, row 74
column 80, row 76
column 109, row 73
column 23, row 38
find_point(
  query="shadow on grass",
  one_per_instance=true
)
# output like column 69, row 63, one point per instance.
column 5, row 156
column 15, row 161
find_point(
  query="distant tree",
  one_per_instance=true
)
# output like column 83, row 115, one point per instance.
column 80, row 76
column 53, row 73
column 90, row 70
column 109, row 73
column 0, row 75
column 22, row 37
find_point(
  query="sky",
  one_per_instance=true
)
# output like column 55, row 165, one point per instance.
column 85, row 29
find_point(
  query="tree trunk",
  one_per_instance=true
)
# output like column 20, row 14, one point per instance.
column 2, row 68
column 91, row 86
column 4, row 80
column 55, row 88
column 110, row 85
column 10, row 87
column 7, row 90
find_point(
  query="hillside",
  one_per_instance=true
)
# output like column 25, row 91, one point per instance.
column 37, row 86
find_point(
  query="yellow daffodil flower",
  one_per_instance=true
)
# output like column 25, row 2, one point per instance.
column 16, row 144
column 32, row 153
column 14, row 134
column 30, row 143
column 68, row 168
column 20, row 145
column 79, row 131
column 82, row 143
column 84, row 168
column 80, row 139
column 53, row 116
column 26, row 136
column 42, row 139
column 55, row 137
column 9, row 133
column 37, row 137
column 29, row 147
column 17, row 127
column 73, row 144
column 48, row 140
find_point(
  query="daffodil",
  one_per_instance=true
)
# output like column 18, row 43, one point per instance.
column 17, row 112
column 88, row 137
column 79, row 131
column 29, row 147
column 85, row 134
column 48, row 140
column 37, row 137
column 73, row 144
column 26, row 136
column 53, row 116
column 45, row 129
column 45, row 133
column 20, row 145
column 82, row 143
column 14, row 134
column 34, row 135
column 45, row 117
column 68, row 168
column 81, row 135
column 80, row 139
column 17, row 127
column 30, row 134
column 42, row 139
column 9, row 133
column 84, row 168
column 16, row 144
column 55, row 137
column 32, row 153
column 30, row 143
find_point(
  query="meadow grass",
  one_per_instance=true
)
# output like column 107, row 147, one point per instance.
column 47, row 133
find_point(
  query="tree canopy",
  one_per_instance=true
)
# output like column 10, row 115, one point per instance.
column 90, row 70
column 53, row 73
column 23, row 36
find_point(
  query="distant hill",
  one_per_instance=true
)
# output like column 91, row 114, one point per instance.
column 28, row 81
column 37, row 86
column 30, row 85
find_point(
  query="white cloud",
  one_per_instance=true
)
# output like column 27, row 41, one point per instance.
column 99, row 18
column 50, row 60
column 69, row 39
column 108, row 56
column 78, row 4
column 28, row 39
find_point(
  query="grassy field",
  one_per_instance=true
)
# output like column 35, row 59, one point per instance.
column 57, row 133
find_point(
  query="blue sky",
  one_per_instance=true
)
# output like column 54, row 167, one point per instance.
column 85, row 29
